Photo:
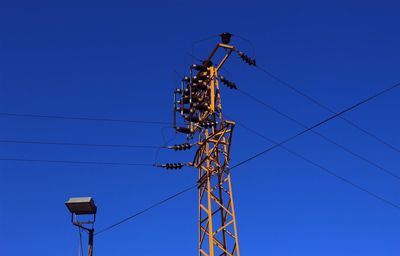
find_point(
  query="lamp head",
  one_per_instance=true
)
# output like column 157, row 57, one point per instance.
column 81, row 205
column 226, row 37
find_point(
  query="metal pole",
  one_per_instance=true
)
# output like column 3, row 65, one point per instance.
column 90, row 249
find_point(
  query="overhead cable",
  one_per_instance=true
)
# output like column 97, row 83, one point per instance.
column 318, row 124
column 342, row 147
column 85, row 118
column 77, row 144
column 280, row 144
column 323, row 106
column 74, row 162
column 146, row 209
column 323, row 168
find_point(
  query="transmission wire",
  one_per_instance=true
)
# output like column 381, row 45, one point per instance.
column 84, row 118
column 365, row 159
column 315, row 101
column 75, row 162
column 280, row 144
column 146, row 209
column 318, row 124
column 77, row 144
column 325, row 169
column 323, row 106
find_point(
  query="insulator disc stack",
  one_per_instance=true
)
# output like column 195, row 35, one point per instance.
column 180, row 147
column 247, row 59
column 172, row 166
column 229, row 84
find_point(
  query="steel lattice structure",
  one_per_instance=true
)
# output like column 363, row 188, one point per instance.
column 198, row 105
column 217, row 222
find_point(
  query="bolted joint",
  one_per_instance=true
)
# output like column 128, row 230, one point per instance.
column 200, row 78
column 186, row 79
column 202, row 106
column 198, row 67
column 192, row 118
column 184, row 110
column 208, row 124
column 181, row 91
column 199, row 87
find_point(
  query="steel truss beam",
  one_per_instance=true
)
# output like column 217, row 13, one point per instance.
column 217, row 221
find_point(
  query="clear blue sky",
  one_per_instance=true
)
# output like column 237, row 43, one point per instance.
column 119, row 60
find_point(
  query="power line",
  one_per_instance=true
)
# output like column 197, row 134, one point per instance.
column 323, row 106
column 365, row 159
column 78, row 144
column 85, row 118
column 75, row 162
column 318, row 124
column 299, row 92
column 146, row 209
column 280, row 144
column 370, row 162
column 323, row 168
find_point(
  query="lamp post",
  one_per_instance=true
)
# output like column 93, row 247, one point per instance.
column 79, row 206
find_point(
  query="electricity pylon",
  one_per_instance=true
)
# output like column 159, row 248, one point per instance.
column 198, row 104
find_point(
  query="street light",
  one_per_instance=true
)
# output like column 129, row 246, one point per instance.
column 83, row 206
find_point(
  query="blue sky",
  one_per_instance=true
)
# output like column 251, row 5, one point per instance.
column 120, row 60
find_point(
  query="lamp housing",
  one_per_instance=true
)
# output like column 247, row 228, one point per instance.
column 81, row 205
